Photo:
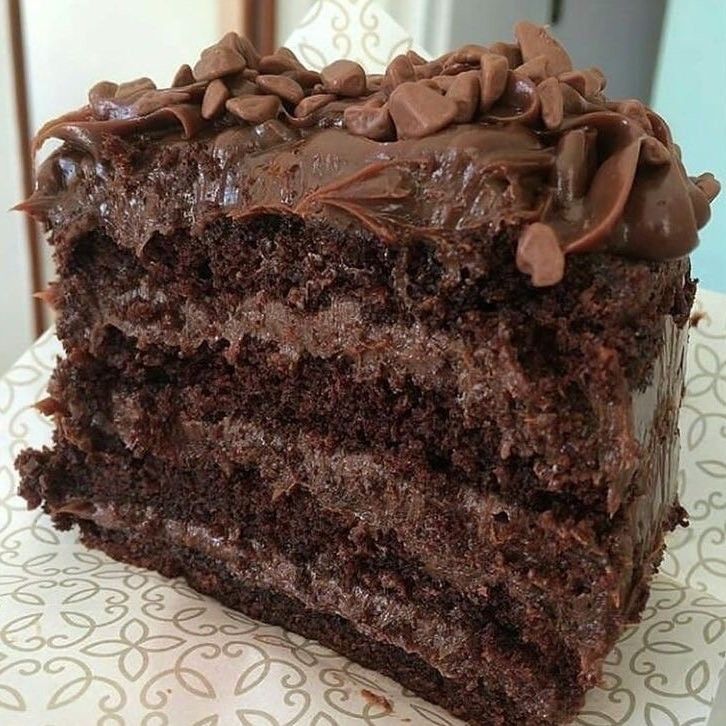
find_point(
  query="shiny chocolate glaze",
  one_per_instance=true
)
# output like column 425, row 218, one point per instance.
column 479, row 138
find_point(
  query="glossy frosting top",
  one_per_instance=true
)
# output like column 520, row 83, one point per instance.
column 509, row 134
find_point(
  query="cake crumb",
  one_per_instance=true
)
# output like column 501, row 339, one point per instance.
column 375, row 699
column 697, row 317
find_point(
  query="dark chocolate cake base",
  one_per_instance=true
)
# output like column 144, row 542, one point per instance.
column 467, row 700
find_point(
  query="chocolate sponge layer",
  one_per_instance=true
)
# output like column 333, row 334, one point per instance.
column 460, row 480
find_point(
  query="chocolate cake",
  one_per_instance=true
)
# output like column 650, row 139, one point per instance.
column 393, row 361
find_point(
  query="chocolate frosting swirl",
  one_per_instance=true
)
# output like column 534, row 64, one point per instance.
column 436, row 142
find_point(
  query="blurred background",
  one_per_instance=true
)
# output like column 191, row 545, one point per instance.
column 669, row 53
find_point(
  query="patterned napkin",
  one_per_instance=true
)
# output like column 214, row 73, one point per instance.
column 84, row 639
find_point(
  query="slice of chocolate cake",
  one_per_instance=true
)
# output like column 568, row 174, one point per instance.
column 392, row 361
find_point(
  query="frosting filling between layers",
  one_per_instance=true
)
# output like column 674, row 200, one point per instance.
column 468, row 700
column 464, row 542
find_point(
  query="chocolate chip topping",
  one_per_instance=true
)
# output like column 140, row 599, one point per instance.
column 468, row 54
column 369, row 120
column 214, row 99
column 708, row 185
column 217, row 61
column 536, row 69
column 419, row 111
column 254, row 109
column 535, row 41
column 608, row 173
column 540, row 255
column 510, row 51
column 314, row 103
column 281, row 86
column 243, row 46
column 464, row 92
column 345, row 78
column 279, row 62
column 494, row 73
column 574, row 164
column 653, row 152
column 307, row 79
column 586, row 82
column 400, row 70
column 550, row 96
column 183, row 77
column 415, row 58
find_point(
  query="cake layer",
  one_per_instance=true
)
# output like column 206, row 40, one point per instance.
column 345, row 571
column 544, row 397
column 166, row 438
column 504, row 700
column 266, row 275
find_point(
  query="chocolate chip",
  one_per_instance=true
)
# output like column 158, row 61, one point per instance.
column 519, row 103
column 493, row 79
column 455, row 68
column 574, row 160
column 241, row 85
column 653, row 153
column 708, row 185
column 550, row 97
column 218, row 61
column 284, row 52
column 660, row 128
column 281, row 86
column 151, row 101
column 510, row 51
column 279, row 62
column 99, row 94
column 539, row 255
column 399, row 70
column 374, row 82
column 313, row 103
column 111, row 101
column 634, row 110
column 440, row 83
column 132, row 88
column 251, row 54
column 599, row 75
column 465, row 92
column 344, row 78
column 418, row 111
column 254, row 109
column 183, row 77
column 373, row 122
column 534, row 40
column 535, row 68
column 230, row 40
column 306, row 78
column 586, row 83
column 429, row 70
column 468, row 54
column 415, row 58
column 573, row 102
column 243, row 46
column 214, row 99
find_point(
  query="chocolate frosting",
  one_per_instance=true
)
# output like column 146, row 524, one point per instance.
column 509, row 134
